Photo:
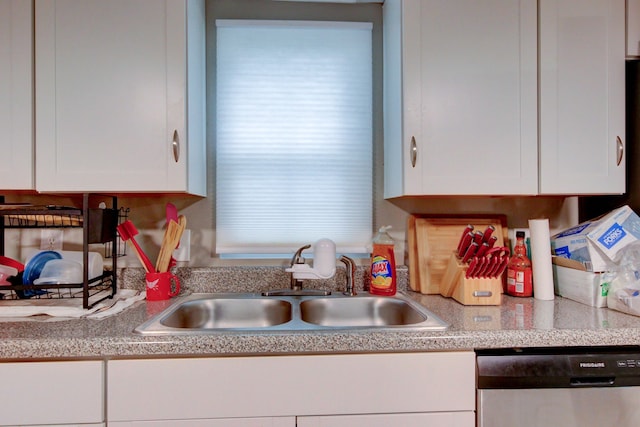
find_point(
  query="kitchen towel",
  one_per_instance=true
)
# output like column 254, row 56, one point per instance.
column 12, row 310
column 541, row 259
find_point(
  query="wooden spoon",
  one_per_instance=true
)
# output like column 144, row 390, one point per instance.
column 170, row 242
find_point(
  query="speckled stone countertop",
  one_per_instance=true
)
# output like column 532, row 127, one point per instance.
column 517, row 322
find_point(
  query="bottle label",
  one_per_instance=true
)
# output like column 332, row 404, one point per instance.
column 519, row 282
column 612, row 236
column 381, row 275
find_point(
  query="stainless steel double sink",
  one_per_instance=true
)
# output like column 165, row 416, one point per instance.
column 212, row 313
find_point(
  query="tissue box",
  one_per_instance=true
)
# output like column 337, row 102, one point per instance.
column 595, row 243
column 582, row 286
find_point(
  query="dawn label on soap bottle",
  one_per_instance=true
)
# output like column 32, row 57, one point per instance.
column 381, row 272
column 383, row 264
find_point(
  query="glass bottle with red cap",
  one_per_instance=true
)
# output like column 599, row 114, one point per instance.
column 519, row 273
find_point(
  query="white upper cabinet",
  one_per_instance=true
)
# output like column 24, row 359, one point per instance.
column 16, row 95
column 582, row 96
column 460, row 97
column 504, row 97
column 120, row 96
column 633, row 29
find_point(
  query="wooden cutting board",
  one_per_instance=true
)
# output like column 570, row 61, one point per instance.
column 431, row 239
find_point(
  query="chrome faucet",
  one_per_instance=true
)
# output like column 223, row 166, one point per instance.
column 324, row 267
column 296, row 284
column 351, row 272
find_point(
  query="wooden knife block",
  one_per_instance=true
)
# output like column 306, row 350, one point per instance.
column 476, row 291
column 430, row 240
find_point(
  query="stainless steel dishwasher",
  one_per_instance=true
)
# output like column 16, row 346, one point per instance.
column 545, row 387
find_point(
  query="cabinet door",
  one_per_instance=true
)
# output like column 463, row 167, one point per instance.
column 286, row 386
column 582, row 113
column 633, row 29
column 71, row 425
column 52, row 393
column 16, row 95
column 223, row 422
column 469, row 96
column 441, row 419
column 112, row 95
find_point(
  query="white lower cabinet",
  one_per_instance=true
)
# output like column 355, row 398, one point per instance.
column 444, row 419
column 68, row 425
column 52, row 393
column 447, row 419
column 405, row 389
column 224, row 422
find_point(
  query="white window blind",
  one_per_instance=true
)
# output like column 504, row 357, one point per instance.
column 293, row 135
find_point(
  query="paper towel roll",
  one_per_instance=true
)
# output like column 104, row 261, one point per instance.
column 541, row 259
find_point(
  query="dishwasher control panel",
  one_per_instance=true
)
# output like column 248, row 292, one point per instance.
column 558, row 367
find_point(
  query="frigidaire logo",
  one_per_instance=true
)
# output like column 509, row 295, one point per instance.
column 592, row 364
column 612, row 236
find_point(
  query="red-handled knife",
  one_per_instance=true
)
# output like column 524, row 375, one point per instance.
column 482, row 250
column 503, row 266
column 473, row 266
column 463, row 237
column 482, row 267
column 471, row 251
column 492, row 241
column 493, row 265
column 477, row 237
column 487, row 233
column 466, row 242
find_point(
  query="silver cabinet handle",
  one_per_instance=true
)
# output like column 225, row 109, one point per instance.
column 175, row 145
column 620, row 150
column 414, row 152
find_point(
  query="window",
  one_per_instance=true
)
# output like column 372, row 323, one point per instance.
column 293, row 135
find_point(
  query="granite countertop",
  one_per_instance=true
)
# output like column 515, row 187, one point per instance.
column 517, row 322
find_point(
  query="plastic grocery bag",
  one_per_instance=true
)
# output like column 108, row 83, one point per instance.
column 624, row 292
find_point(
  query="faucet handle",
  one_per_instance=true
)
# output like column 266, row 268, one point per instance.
column 350, row 265
column 297, row 257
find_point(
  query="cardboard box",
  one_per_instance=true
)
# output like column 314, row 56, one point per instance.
column 596, row 243
column 581, row 286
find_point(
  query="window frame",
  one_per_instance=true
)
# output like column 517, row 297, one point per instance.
column 257, row 9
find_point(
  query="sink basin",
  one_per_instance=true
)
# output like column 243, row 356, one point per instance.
column 218, row 313
column 223, row 313
column 365, row 311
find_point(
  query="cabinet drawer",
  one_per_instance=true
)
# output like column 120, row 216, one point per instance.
column 290, row 386
column 52, row 393
column 448, row 419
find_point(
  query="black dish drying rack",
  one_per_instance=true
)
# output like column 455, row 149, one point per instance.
column 98, row 226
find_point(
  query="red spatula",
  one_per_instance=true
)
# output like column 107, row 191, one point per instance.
column 128, row 231
column 172, row 212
